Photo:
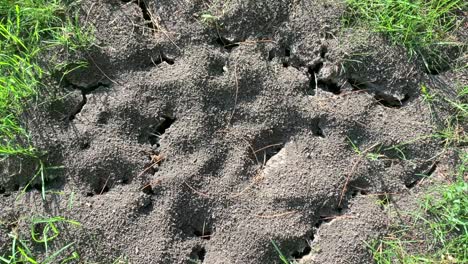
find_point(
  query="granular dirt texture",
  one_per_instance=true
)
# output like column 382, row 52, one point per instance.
column 193, row 141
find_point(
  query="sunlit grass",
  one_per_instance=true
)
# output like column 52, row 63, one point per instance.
column 29, row 29
column 443, row 216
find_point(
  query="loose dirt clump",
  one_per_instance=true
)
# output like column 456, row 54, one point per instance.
column 192, row 141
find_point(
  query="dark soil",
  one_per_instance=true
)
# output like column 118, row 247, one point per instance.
column 188, row 141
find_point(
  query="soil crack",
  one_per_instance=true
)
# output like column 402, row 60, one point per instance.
column 146, row 13
column 387, row 100
column 84, row 92
column 226, row 43
column 164, row 123
column 77, row 109
column 162, row 58
column 422, row 176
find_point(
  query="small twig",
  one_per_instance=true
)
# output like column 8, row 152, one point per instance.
column 105, row 185
column 276, row 215
column 348, row 177
column 103, row 73
column 258, row 177
column 155, row 159
column 345, row 187
column 158, row 28
column 145, row 170
column 235, row 98
column 338, row 217
column 269, row 146
column 88, row 13
column 316, row 85
column 150, row 184
column 253, row 42
column 197, row 192
column 169, row 38
column 252, row 149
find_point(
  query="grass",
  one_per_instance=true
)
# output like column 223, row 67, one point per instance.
column 372, row 153
column 43, row 231
column 213, row 12
column 443, row 215
column 453, row 133
column 438, row 231
column 37, row 39
column 412, row 23
column 422, row 26
column 282, row 257
column 28, row 30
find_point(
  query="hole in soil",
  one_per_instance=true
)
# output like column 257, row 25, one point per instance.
column 323, row 52
column 148, row 189
column 436, row 67
column 436, row 70
column 89, row 194
column 357, row 85
column 146, row 13
column 431, row 170
column 146, row 207
column 301, row 253
column 198, row 254
column 384, row 200
column 339, row 210
column 85, row 145
column 328, row 35
column 317, row 130
column 285, row 64
column 323, row 219
column 316, row 68
column 217, row 66
column 103, row 118
column 390, row 101
column 103, row 190
column 328, row 218
column 226, row 43
column 88, row 89
column 313, row 71
column 144, row 10
column 78, row 108
column 38, row 230
column 267, row 152
column 203, row 234
column 287, row 52
column 271, row 55
column 162, row 58
column 164, row 123
column 84, row 91
column 413, row 183
column 329, row 86
column 102, row 187
column 2, row 190
column 49, row 183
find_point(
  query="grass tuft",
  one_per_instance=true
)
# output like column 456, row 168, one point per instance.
column 442, row 223
column 424, row 27
column 28, row 30
column 412, row 23
column 43, row 231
